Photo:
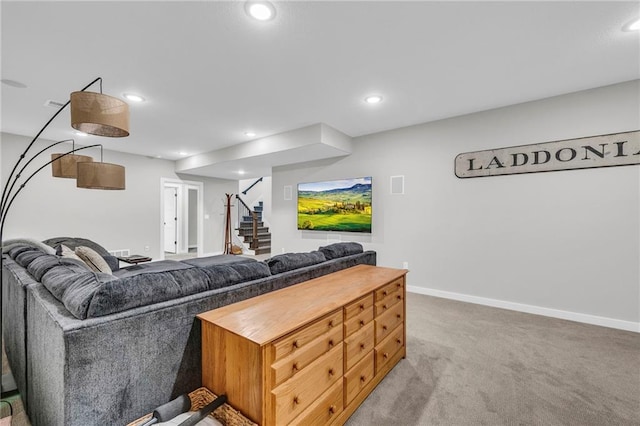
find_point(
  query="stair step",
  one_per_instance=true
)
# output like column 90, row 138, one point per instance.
column 243, row 232
column 263, row 250
column 249, row 224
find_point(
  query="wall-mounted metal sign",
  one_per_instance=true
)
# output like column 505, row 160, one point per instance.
column 618, row 149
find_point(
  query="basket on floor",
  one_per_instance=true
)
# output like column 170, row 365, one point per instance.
column 225, row 414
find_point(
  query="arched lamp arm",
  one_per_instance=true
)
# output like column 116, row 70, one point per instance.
column 24, row 154
column 17, row 176
column 8, row 206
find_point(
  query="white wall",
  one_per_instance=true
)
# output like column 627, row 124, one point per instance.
column 50, row 207
column 561, row 243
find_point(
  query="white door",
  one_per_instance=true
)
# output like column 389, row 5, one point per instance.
column 170, row 219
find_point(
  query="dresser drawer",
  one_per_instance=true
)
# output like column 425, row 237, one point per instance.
column 296, row 394
column 389, row 346
column 359, row 321
column 358, row 377
column 300, row 338
column 389, row 301
column 388, row 321
column 354, row 309
column 286, row 367
column 323, row 410
column 358, row 345
column 386, row 290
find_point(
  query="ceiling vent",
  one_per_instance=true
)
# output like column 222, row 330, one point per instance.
column 54, row 104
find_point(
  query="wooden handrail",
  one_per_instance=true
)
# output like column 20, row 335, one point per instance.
column 254, row 220
column 251, row 186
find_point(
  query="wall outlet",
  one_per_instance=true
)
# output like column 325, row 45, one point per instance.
column 405, row 265
column 146, row 248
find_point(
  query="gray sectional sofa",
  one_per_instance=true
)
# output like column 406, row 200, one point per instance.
column 105, row 349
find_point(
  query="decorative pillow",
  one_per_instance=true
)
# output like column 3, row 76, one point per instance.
column 74, row 242
column 6, row 245
column 67, row 253
column 334, row 251
column 95, row 262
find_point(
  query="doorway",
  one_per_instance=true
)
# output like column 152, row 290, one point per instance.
column 182, row 218
column 170, row 219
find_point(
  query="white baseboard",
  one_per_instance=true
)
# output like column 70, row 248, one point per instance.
column 531, row 309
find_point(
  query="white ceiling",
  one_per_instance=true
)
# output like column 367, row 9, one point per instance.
column 210, row 73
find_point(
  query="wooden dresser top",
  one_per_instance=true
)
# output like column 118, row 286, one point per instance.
column 264, row 318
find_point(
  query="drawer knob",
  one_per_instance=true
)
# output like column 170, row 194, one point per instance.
column 398, row 316
column 331, row 343
column 384, row 307
column 361, row 323
column 332, row 409
column 296, row 401
column 398, row 285
column 295, row 344
column 330, row 372
column 384, row 327
column 384, row 293
column 362, row 307
column 399, row 297
column 385, row 355
column 330, row 323
column 363, row 379
column 362, row 346
column 294, row 367
column 398, row 341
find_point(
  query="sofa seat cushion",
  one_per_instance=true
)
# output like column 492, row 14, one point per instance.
column 146, row 289
column 88, row 294
column 334, row 251
column 222, row 259
column 15, row 249
column 42, row 264
column 290, row 261
column 25, row 258
column 226, row 275
column 150, row 267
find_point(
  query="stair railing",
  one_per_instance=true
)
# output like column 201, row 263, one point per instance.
column 251, row 186
column 244, row 210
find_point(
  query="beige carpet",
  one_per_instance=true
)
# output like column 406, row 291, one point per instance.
column 474, row 365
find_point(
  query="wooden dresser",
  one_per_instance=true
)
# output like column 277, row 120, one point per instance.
column 308, row 354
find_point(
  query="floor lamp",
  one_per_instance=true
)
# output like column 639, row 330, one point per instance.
column 93, row 113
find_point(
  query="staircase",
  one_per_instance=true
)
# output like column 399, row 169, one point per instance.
column 258, row 239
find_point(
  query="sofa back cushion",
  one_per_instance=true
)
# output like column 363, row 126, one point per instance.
column 290, row 261
column 226, row 275
column 334, row 251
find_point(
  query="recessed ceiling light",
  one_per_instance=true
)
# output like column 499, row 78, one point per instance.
column 80, row 133
column 183, row 153
column 13, row 83
column 373, row 99
column 133, row 97
column 260, row 10
column 632, row 26
column 250, row 134
column 241, row 172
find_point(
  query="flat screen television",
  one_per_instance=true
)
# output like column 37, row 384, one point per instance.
column 337, row 205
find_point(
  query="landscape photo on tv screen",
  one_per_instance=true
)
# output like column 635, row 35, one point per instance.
column 336, row 205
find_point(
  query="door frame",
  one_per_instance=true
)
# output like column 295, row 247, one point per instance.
column 183, row 218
